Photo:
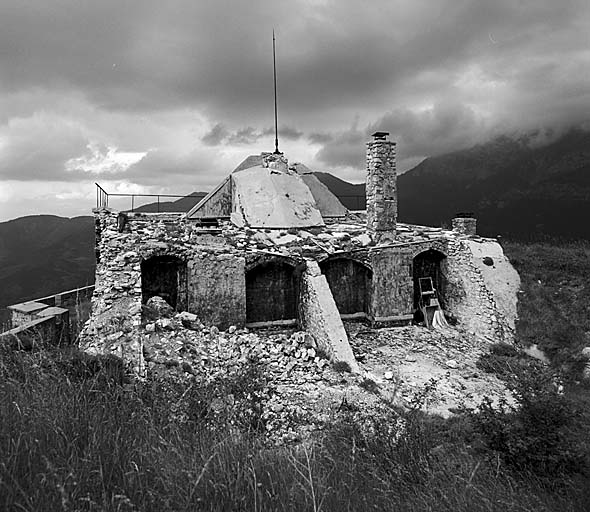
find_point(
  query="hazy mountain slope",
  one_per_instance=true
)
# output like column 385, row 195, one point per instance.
column 44, row 254
column 351, row 195
column 180, row 205
column 512, row 188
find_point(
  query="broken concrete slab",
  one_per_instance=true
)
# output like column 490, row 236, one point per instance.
column 320, row 317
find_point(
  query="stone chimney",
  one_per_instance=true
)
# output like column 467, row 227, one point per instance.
column 381, row 187
column 465, row 223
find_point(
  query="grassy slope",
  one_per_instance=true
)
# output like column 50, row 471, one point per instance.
column 554, row 306
column 73, row 436
column 44, row 254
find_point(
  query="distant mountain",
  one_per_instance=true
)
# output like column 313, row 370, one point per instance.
column 514, row 188
column 351, row 195
column 180, row 205
column 44, row 254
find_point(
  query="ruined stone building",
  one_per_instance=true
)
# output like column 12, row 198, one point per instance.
column 271, row 245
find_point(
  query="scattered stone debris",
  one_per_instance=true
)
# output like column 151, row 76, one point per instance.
column 400, row 368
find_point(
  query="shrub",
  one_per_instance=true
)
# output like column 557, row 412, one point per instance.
column 538, row 432
column 341, row 366
column 503, row 359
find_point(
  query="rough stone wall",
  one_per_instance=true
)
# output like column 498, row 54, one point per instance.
column 392, row 293
column 469, row 300
column 393, row 282
column 320, row 316
column 465, row 225
column 215, row 293
column 218, row 279
column 499, row 276
column 468, row 296
column 381, row 189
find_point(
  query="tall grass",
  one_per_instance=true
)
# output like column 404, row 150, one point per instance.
column 75, row 435
column 554, row 306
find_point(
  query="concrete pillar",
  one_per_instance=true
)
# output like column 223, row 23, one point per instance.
column 381, row 187
column 320, row 317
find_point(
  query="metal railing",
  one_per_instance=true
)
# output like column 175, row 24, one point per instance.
column 102, row 199
column 352, row 202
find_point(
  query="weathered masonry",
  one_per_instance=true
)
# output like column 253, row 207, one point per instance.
column 271, row 245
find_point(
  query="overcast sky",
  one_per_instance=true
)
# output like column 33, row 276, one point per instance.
column 169, row 96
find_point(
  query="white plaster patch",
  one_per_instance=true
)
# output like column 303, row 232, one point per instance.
column 500, row 278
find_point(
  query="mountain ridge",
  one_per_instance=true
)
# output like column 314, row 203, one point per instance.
column 515, row 189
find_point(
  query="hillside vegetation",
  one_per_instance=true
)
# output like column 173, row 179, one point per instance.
column 44, row 254
column 76, row 434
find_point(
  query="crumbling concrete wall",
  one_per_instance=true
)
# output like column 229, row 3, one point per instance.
column 320, row 316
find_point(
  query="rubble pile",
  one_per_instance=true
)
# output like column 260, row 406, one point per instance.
column 440, row 364
column 304, row 390
column 399, row 367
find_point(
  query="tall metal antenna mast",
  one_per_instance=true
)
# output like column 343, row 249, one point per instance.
column 274, row 67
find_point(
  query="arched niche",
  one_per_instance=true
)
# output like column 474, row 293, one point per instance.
column 350, row 284
column 271, row 292
column 164, row 276
column 430, row 263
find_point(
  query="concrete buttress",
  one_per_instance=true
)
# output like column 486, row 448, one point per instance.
column 320, row 316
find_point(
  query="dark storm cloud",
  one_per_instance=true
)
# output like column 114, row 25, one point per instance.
column 285, row 132
column 170, row 170
column 319, row 138
column 219, row 134
column 37, row 149
column 443, row 128
column 439, row 75
column 332, row 55
column 344, row 148
column 215, row 136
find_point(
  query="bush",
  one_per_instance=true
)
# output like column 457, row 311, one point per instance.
column 503, row 360
column 538, row 432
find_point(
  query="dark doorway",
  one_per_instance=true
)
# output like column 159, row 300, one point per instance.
column 164, row 276
column 271, row 292
column 431, row 264
column 350, row 284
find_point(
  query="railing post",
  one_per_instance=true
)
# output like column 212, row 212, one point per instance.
column 132, row 202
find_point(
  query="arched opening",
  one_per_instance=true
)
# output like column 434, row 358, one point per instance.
column 350, row 284
column 271, row 293
column 430, row 264
column 164, row 276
